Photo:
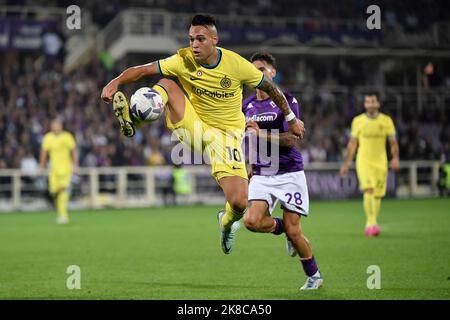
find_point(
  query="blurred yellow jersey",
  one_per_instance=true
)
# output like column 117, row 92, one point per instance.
column 59, row 148
column 215, row 91
column 371, row 135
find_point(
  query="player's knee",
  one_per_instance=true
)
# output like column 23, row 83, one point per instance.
column 292, row 231
column 168, row 84
column 369, row 190
column 251, row 221
column 238, row 202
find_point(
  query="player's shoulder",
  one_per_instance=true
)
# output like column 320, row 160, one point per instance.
column 385, row 117
column 184, row 52
column 230, row 56
column 290, row 97
column 359, row 117
column 49, row 135
column 67, row 135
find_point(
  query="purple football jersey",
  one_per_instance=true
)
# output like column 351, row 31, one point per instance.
column 269, row 116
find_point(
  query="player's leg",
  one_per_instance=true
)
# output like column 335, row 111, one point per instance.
column 58, row 188
column 171, row 94
column 368, row 203
column 173, row 97
column 235, row 189
column 366, row 184
column 379, row 193
column 261, row 205
column 291, row 221
column 257, row 218
column 62, row 200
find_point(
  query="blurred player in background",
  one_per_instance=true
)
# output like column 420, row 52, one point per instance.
column 213, row 78
column 285, row 183
column 60, row 147
column 369, row 133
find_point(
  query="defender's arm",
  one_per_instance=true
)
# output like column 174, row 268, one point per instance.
column 278, row 97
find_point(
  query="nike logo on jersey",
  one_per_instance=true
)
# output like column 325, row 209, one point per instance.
column 193, row 78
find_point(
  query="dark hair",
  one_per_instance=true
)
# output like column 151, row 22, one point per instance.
column 264, row 56
column 203, row 20
column 372, row 93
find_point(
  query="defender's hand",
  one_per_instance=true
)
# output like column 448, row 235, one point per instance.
column 395, row 164
column 253, row 125
column 297, row 127
column 108, row 91
column 344, row 170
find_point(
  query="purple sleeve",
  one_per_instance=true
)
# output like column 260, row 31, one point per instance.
column 295, row 107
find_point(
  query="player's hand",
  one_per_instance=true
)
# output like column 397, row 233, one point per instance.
column 395, row 164
column 344, row 170
column 108, row 91
column 297, row 127
column 252, row 125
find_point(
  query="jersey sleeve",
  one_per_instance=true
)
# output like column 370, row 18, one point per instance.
column 170, row 66
column 71, row 141
column 355, row 129
column 249, row 74
column 390, row 132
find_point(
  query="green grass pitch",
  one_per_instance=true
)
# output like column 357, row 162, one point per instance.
column 174, row 253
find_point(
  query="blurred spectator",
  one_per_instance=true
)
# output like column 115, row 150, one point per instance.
column 430, row 78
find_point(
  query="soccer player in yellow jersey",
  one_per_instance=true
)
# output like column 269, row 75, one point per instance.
column 60, row 147
column 369, row 133
column 213, row 78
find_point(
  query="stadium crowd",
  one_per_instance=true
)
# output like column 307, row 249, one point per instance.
column 34, row 88
column 410, row 14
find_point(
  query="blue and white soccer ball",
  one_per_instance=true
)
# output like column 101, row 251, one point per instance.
column 146, row 105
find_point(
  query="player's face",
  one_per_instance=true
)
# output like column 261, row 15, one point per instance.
column 203, row 41
column 268, row 70
column 371, row 104
column 56, row 126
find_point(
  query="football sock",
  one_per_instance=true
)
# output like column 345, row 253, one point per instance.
column 376, row 208
column 231, row 216
column 279, row 227
column 162, row 92
column 62, row 199
column 309, row 266
column 368, row 208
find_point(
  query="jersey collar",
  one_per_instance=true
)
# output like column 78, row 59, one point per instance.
column 212, row 66
column 372, row 118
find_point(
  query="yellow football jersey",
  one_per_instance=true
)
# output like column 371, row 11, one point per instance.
column 215, row 91
column 59, row 148
column 371, row 135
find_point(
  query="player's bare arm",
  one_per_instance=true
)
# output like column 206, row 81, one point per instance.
column 42, row 159
column 75, row 159
column 284, row 139
column 129, row 75
column 395, row 162
column 295, row 126
column 351, row 149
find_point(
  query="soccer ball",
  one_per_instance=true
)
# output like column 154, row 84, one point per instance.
column 146, row 105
